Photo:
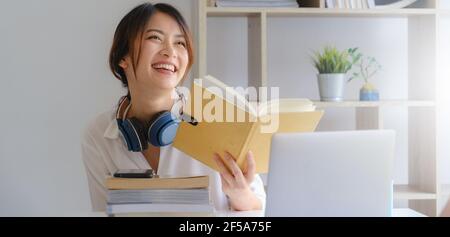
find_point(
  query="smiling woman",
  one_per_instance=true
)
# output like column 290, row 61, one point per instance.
column 151, row 55
column 136, row 35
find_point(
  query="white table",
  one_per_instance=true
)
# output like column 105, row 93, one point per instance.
column 397, row 212
column 406, row 212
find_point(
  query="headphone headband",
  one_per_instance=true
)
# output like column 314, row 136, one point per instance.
column 124, row 106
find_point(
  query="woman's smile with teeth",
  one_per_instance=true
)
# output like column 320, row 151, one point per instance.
column 168, row 67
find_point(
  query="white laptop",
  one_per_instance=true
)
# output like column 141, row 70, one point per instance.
column 331, row 174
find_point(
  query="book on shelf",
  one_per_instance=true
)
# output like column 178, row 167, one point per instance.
column 350, row 4
column 396, row 4
column 257, row 3
column 211, row 3
column 229, row 132
column 364, row 4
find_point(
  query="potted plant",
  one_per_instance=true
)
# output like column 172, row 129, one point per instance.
column 332, row 66
column 367, row 67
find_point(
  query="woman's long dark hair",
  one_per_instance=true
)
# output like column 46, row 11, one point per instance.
column 129, row 34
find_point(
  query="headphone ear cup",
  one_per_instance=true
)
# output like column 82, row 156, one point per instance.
column 136, row 134
column 125, row 134
column 163, row 129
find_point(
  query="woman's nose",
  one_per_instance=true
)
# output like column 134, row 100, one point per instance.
column 168, row 51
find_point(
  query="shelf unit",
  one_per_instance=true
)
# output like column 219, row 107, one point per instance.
column 407, row 192
column 371, row 104
column 422, row 192
column 323, row 12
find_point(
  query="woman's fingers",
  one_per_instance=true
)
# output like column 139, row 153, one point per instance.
column 236, row 171
column 250, row 170
column 225, row 184
column 230, row 172
column 224, row 173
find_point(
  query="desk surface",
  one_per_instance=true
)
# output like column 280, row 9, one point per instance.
column 397, row 212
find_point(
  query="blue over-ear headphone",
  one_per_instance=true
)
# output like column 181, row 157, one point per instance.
column 159, row 131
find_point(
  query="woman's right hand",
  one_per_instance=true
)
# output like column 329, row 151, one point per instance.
column 236, row 183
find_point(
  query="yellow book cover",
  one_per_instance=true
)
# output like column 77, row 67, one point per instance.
column 225, row 121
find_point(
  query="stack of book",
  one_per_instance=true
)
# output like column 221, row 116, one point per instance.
column 257, row 3
column 350, row 4
column 159, row 196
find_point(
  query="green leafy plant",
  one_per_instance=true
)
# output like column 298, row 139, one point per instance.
column 367, row 67
column 331, row 60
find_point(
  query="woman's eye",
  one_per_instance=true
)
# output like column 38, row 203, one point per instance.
column 154, row 37
column 182, row 44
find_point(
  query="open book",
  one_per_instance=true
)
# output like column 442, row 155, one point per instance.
column 224, row 120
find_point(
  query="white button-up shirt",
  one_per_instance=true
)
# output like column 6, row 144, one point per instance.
column 104, row 152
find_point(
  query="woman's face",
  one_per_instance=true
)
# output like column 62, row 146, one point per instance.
column 164, row 56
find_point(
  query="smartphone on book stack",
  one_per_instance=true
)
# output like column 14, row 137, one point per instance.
column 134, row 173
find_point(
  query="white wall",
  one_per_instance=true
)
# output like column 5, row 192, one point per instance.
column 55, row 77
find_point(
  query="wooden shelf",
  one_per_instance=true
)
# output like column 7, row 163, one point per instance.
column 444, row 12
column 406, row 192
column 356, row 104
column 225, row 12
column 286, row 12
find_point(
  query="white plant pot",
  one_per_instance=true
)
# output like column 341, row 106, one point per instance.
column 331, row 86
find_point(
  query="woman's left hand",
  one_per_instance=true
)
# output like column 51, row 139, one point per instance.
column 236, row 183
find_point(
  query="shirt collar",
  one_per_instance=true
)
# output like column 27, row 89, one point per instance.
column 112, row 131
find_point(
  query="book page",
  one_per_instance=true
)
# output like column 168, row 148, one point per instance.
column 227, row 93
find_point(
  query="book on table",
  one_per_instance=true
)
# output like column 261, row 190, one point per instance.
column 157, row 182
column 158, row 196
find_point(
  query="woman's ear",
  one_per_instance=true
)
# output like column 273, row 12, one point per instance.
column 123, row 64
